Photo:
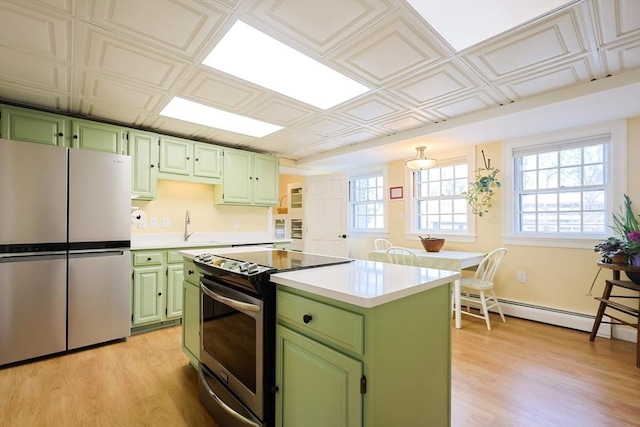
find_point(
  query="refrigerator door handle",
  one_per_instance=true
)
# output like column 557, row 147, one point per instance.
column 96, row 253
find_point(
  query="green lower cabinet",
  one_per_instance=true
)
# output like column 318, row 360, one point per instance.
column 319, row 387
column 157, row 287
column 191, row 314
column 175, row 278
column 343, row 365
column 147, row 297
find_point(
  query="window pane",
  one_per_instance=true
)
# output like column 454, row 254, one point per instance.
column 563, row 191
column 439, row 196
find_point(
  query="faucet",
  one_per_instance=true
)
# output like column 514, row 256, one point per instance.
column 187, row 221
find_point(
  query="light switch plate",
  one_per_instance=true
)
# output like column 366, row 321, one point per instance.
column 166, row 222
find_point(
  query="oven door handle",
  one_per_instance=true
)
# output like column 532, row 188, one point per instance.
column 238, row 305
column 224, row 406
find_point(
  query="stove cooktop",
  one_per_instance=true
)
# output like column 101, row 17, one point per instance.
column 274, row 261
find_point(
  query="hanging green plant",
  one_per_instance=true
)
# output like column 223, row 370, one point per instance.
column 480, row 192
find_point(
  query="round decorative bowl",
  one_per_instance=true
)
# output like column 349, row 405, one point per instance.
column 432, row 244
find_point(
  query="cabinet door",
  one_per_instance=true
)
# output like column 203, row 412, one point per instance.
column 33, row 126
column 191, row 322
column 318, row 386
column 207, row 161
column 97, row 136
column 148, row 301
column 144, row 152
column 267, row 180
column 175, row 277
column 237, row 180
column 175, row 156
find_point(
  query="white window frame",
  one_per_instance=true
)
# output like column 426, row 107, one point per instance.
column 377, row 233
column 466, row 156
column 615, row 182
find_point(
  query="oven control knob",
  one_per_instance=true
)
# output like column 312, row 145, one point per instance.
column 252, row 268
column 205, row 257
column 244, row 266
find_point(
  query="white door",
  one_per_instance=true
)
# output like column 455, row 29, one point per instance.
column 325, row 215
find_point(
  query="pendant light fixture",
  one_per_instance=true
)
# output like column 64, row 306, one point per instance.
column 420, row 161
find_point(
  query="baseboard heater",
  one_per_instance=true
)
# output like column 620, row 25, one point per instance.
column 566, row 319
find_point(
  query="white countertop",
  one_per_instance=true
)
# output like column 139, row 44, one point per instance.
column 365, row 283
column 362, row 283
column 200, row 240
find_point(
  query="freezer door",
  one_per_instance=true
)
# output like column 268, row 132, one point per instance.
column 99, row 297
column 99, row 197
column 33, row 194
column 33, row 307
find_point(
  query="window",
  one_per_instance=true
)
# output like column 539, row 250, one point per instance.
column 562, row 185
column 438, row 203
column 366, row 202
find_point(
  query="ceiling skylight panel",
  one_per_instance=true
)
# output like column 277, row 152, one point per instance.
column 464, row 23
column 253, row 56
column 182, row 109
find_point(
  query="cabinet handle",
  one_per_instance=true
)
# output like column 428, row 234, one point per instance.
column 257, row 178
column 152, row 166
column 251, row 177
column 60, row 134
column 307, row 318
column 159, row 294
column 191, row 272
column 343, row 236
column 188, row 158
column 75, row 136
column 149, row 259
column 197, row 159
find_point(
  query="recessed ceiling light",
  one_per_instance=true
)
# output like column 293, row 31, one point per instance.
column 253, row 56
column 464, row 23
column 182, row 109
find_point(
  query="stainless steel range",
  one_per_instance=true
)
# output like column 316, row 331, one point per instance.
column 237, row 331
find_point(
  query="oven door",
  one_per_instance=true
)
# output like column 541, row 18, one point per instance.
column 231, row 343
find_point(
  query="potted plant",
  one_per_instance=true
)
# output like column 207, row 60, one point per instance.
column 479, row 195
column 612, row 250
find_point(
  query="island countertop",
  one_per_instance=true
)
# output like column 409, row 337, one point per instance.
column 360, row 282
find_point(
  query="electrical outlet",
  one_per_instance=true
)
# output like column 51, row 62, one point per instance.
column 153, row 222
column 522, row 277
column 166, row 222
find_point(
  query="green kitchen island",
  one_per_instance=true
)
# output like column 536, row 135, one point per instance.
column 362, row 344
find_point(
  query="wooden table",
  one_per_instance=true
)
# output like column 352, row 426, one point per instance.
column 606, row 302
column 443, row 260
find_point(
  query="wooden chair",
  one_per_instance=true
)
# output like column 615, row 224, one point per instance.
column 403, row 256
column 382, row 244
column 482, row 283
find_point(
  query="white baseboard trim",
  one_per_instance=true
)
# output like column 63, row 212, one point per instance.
column 566, row 319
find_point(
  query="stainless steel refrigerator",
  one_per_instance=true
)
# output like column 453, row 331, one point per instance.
column 65, row 263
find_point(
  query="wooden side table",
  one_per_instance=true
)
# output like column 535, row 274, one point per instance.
column 606, row 302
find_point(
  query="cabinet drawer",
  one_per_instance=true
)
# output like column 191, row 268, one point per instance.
column 191, row 275
column 147, row 258
column 173, row 256
column 332, row 324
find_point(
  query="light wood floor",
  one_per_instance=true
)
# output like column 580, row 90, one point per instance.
column 520, row 374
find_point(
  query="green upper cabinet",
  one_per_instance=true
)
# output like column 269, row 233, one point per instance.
column 237, row 181
column 207, row 161
column 186, row 160
column 95, row 136
column 21, row 124
column 144, row 152
column 175, row 156
column 249, row 179
column 267, row 173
